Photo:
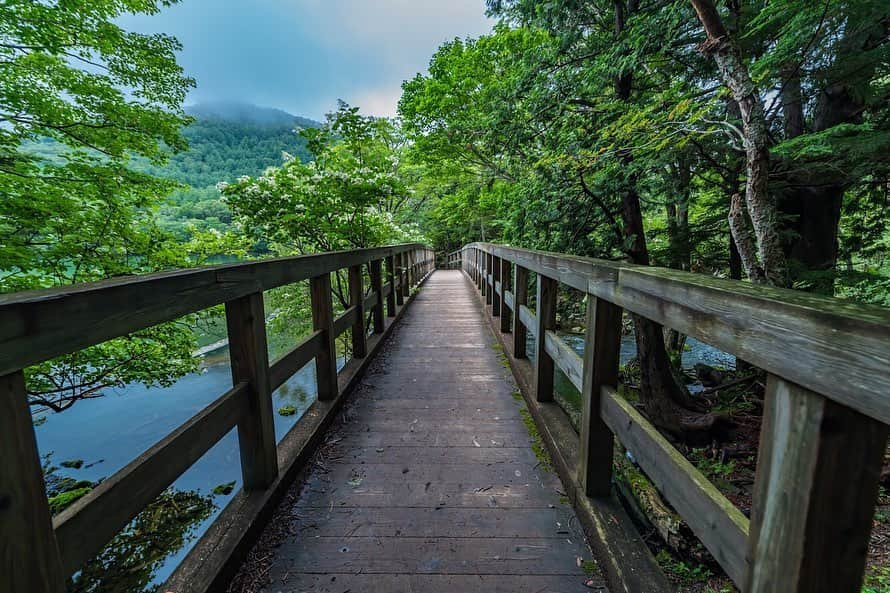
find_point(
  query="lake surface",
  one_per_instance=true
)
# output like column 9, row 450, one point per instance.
column 109, row 432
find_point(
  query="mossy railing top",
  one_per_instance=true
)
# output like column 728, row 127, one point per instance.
column 826, row 410
column 38, row 553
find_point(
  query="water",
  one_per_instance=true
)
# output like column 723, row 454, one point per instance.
column 696, row 352
column 109, row 432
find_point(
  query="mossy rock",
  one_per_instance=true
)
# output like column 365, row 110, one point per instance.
column 60, row 502
column 287, row 411
column 224, row 489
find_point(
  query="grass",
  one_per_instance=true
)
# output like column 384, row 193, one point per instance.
column 538, row 446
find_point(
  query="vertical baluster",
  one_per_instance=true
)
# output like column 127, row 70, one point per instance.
column 400, row 279
column 520, row 299
column 246, row 323
column 495, row 278
column 544, row 367
column 357, row 300
column 818, row 470
column 391, row 280
column 375, row 271
column 602, row 346
column 323, row 320
column 505, row 285
column 29, row 556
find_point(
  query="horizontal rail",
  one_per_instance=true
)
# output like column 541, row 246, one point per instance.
column 721, row 527
column 828, row 402
column 84, row 528
column 565, row 358
column 528, row 318
column 849, row 343
column 40, row 325
column 285, row 366
column 345, row 320
column 36, row 326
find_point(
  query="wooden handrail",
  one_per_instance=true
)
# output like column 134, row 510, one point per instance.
column 38, row 555
column 825, row 420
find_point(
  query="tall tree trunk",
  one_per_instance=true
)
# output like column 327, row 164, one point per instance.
column 668, row 403
column 768, row 262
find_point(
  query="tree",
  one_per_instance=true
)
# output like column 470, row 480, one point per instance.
column 70, row 76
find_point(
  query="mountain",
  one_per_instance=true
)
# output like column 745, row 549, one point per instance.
column 247, row 113
column 226, row 140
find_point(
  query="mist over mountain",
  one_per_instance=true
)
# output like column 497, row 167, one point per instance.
column 247, row 113
column 226, row 140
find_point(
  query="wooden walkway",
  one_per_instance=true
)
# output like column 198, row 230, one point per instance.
column 430, row 483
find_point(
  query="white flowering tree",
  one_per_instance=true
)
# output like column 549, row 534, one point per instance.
column 352, row 195
column 355, row 193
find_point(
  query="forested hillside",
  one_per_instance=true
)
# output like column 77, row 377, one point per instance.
column 226, row 141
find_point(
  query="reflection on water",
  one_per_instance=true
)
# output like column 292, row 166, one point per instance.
column 109, row 432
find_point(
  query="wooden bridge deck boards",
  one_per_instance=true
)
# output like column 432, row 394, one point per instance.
column 430, row 484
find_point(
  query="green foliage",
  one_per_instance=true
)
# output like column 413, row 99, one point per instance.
column 877, row 580
column 287, row 411
column 683, row 572
column 350, row 196
column 60, row 502
column 224, row 489
column 132, row 558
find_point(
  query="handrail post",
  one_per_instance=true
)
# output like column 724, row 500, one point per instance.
column 400, row 277
column 249, row 355
column 375, row 271
column 602, row 348
column 357, row 300
column 495, row 278
column 487, row 282
column 520, row 299
column 28, row 550
column 544, row 366
column 505, row 283
column 323, row 320
column 818, row 471
column 391, row 280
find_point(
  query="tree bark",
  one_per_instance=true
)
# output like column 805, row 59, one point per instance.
column 761, row 208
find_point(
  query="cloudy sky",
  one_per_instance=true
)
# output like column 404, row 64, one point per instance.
column 302, row 55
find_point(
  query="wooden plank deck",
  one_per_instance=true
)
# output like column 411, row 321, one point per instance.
column 429, row 484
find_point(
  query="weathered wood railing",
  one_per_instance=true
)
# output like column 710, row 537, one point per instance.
column 37, row 553
column 827, row 405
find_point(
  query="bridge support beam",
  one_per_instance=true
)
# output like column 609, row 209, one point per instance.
column 544, row 366
column 29, row 556
column 495, row 278
column 505, row 284
column 818, row 470
column 249, row 354
column 602, row 347
column 357, row 300
column 520, row 300
column 323, row 321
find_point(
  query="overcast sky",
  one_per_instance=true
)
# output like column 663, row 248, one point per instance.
column 302, row 55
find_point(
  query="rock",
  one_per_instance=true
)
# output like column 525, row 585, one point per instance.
column 708, row 375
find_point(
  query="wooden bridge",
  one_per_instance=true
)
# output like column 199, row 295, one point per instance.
column 428, row 480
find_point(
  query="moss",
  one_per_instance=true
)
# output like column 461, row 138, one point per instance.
column 517, row 395
column 680, row 571
column 590, row 567
column 538, row 446
column 877, row 580
column 72, row 463
column 60, row 502
column 224, row 489
column 287, row 411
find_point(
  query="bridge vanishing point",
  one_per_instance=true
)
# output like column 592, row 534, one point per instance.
column 421, row 465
